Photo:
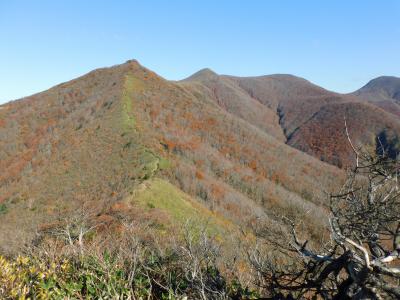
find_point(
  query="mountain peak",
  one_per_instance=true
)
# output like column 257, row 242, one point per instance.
column 381, row 88
column 133, row 62
column 203, row 74
column 383, row 81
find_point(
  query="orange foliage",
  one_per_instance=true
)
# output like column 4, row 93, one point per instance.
column 105, row 219
column 154, row 113
column 217, row 191
column 119, row 207
column 210, row 122
column 199, row 175
column 253, row 165
column 171, row 145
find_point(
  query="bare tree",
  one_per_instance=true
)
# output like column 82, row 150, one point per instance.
column 358, row 260
column 200, row 253
column 74, row 228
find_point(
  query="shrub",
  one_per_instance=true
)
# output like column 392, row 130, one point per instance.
column 135, row 269
column 3, row 208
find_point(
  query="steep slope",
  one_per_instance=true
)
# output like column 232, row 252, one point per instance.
column 233, row 99
column 293, row 98
column 324, row 136
column 383, row 92
column 311, row 118
column 97, row 141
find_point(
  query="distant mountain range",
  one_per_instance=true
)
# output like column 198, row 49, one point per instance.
column 306, row 116
column 127, row 143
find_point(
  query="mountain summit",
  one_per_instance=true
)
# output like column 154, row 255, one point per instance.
column 383, row 92
column 381, row 88
column 203, row 74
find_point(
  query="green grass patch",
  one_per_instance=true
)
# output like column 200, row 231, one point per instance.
column 3, row 208
column 149, row 164
column 131, row 85
column 164, row 164
column 161, row 194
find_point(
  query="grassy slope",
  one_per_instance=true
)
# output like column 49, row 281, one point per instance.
column 159, row 194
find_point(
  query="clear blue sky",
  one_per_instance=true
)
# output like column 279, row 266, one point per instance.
column 339, row 45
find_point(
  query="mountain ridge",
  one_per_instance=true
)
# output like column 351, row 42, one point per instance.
column 296, row 102
column 240, row 148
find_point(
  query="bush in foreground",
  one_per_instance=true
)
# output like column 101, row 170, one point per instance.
column 135, row 272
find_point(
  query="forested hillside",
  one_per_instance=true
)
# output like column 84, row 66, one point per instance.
column 121, row 152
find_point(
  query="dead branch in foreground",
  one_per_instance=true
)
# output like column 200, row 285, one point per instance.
column 359, row 260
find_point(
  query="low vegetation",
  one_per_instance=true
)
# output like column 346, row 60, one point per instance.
column 134, row 268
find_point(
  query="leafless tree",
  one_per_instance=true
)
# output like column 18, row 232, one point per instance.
column 358, row 261
column 200, row 253
column 74, row 228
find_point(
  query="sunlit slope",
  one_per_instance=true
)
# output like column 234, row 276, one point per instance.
column 306, row 116
column 97, row 140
